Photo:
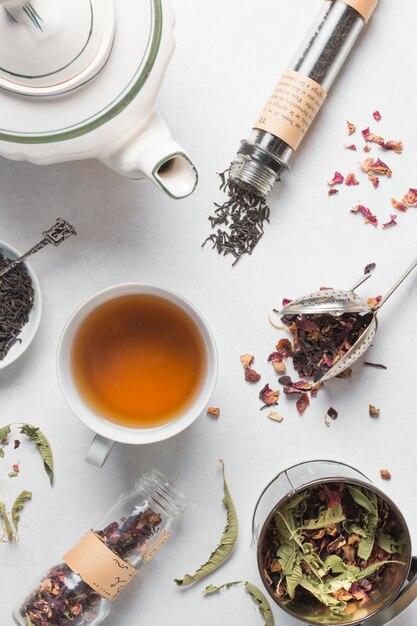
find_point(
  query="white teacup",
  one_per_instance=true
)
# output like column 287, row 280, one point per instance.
column 109, row 432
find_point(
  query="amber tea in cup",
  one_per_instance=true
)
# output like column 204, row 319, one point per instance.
column 138, row 360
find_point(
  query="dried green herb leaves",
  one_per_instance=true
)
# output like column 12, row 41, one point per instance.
column 256, row 594
column 4, row 432
column 334, row 542
column 6, row 521
column 18, row 505
column 226, row 546
column 43, row 445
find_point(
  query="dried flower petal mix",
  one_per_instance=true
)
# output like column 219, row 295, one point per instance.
column 331, row 546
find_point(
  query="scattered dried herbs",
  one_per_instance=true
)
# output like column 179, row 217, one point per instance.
column 6, row 522
column 18, row 505
column 213, row 411
column 333, row 192
column 241, row 218
column 392, row 221
column 64, row 599
column 337, row 179
column 366, row 213
column 351, row 180
column 377, row 116
column 43, row 446
column 351, row 147
column 331, row 545
column 275, row 416
column 373, row 411
column 16, row 301
column 268, row 396
column 226, row 546
column 385, row 474
column 351, row 128
column 377, row 365
column 256, row 594
column 251, row 376
column 320, row 341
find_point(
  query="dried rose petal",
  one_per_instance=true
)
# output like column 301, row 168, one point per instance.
column 302, row 403
column 396, row 146
column 379, row 167
column 385, row 474
column 370, row 137
column 268, row 396
column 333, row 192
column 16, row 468
column 392, row 222
column 366, row 165
column 336, row 180
column 374, row 180
column 277, row 363
column 410, row 198
column 303, row 385
column 284, row 348
column 351, row 180
column 315, row 390
column 285, row 381
column 373, row 302
column 351, row 128
column 373, row 411
column 369, row 217
column 246, row 360
column 286, row 302
column 275, row 416
column 369, row 268
column 351, row 147
column 367, row 148
column 332, row 413
column 16, row 444
column 213, row 411
column 377, row 116
column 333, row 498
column 400, row 206
column 251, row 376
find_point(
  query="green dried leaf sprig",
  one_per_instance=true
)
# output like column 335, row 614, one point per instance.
column 17, row 507
column 39, row 439
column 226, row 546
column 256, row 594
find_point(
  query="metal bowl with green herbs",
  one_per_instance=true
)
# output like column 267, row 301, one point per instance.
column 335, row 553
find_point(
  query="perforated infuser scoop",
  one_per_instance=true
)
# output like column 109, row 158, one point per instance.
column 337, row 302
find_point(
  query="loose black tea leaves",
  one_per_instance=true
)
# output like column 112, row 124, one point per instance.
column 332, row 546
column 239, row 221
column 16, row 301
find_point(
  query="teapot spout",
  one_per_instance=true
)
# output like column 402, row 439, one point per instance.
column 155, row 154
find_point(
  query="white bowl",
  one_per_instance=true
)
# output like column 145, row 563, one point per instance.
column 30, row 329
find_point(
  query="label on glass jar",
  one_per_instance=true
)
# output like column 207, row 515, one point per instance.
column 99, row 567
column 292, row 107
column 156, row 546
column 364, row 7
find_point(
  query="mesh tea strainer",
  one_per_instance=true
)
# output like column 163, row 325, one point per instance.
column 337, row 302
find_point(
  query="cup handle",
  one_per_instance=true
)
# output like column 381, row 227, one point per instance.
column 99, row 451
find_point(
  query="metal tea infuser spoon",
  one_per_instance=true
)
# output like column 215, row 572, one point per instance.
column 335, row 302
column 58, row 233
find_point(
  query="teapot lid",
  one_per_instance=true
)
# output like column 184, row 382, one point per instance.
column 111, row 71
column 45, row 50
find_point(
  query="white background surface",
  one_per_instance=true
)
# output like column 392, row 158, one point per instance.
column 229, row 55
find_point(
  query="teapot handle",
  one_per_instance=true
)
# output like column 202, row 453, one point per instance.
column 155, row 153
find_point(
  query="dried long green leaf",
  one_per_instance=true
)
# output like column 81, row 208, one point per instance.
column 4, row 432
column 226, row 546
column 256, row 595
column 43, row 445
column 18, row 505
column 6, row 521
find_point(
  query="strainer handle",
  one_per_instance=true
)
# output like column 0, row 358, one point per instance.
column 398, row 283
column 403, row 600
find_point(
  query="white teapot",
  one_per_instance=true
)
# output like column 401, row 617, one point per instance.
column 79, row 79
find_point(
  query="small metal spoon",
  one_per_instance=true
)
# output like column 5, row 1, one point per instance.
column 364, row 341
column 58, row 233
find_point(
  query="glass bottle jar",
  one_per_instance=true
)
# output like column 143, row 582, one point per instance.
column 128, row 536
